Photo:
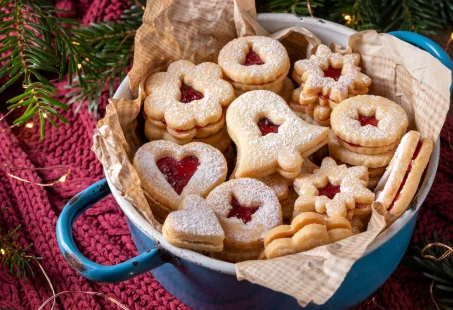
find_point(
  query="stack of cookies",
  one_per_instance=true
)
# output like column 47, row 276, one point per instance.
column 188, row 104
column 326, row 79
column 256, row 63
column 366, row 131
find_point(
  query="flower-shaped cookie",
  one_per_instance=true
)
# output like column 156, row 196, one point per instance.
column 332, row 189
column 187, row 95
column 269, row 136
column 331, row 75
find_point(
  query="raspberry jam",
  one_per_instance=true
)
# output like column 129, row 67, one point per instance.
column 178, row 173
column 332, row 73
column 366, row 120
column 321, row 96
column 409, row 168
column 267, row 126
column 252, row 58
column 240, row 211
column 188, row 94
column 163, row 121
column 329, row 190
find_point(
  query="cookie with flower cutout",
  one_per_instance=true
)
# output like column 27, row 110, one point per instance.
column 307, row 231
column 367, row 122
column 269, row 136
column 332, row 75
column 398, row 185
column 332, row 189
column 188, row 96
column 255, row 62
column 246, row 209
column 169, row 172
column 194, row 226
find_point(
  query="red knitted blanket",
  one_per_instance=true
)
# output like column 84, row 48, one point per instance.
column 102, row 233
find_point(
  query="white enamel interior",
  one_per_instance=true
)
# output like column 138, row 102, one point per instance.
column 327, row 32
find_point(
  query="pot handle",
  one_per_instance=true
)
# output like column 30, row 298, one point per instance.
column 426, row 44
column 84, row 200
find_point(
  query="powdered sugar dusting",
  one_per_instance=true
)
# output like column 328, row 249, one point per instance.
column 248, row 192
column 211, row 171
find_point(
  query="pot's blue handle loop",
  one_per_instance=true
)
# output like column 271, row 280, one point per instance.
column 144, row 262
column 426, row 44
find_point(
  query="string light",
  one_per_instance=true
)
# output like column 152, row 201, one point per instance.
column 2, row 251
column 44, row 115
column 347, row 17
column 29, row 125
column 79, row 66
column 449, row 41
column 75, row 43
column 59, row 180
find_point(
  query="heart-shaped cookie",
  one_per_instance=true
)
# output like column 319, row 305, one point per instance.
column 269, row 136
column 169, row 172
column 194, row 226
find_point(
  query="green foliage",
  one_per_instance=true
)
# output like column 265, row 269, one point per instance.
column 423, row 16
column 440, row 272
column 13, row 256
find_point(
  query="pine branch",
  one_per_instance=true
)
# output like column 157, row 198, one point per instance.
column 14, row 257
column 111, row 47
column 441, row 272
column 29, row 31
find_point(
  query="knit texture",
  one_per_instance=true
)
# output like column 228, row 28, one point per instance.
column 102, row 234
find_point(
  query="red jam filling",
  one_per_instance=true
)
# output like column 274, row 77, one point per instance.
column 321, row 96
column 178, row 173
column 163, row 121
column 332, row 73
column 252, row 58
column 241, row 212
column 329, row 190
column 409, row 168
column 368, row 120
column 267, row 126
column 188, row 94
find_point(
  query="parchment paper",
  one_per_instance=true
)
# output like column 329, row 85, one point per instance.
column 197, row 30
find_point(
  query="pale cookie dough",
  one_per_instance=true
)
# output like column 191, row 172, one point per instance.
column 281, row 143
column 164, row 101
column 274, row 60
column 369, row 121
column 170, row 172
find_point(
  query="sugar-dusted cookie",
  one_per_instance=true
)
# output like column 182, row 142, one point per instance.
column 254, row 60
column 369, row 121
column 194, row 226
column 170, row 172
column 246, row 209
column 287, row 204
column 344, row 155
column 307, row 231
column 187, row 95
column 278, row 183
column 269, row 136
column 400, row 181
column 330, row 74
column 332, row 189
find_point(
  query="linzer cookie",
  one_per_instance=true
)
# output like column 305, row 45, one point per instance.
column 170, row 172
column 332, row 189
column 307, row 231
column 194, row 226
column 187, row 102
column 269, row 136
column 254, row 63
column 246, row 209
column 400, row 181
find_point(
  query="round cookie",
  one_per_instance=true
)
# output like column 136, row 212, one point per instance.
column 369, row 121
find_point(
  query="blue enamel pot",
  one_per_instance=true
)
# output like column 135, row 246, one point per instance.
column 205, row 283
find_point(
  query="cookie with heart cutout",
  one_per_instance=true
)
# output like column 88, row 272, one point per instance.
column 246, row 209
column 332, row 189
column 400, row 181
column 188, row 95
column 170, row 172
column 194, row 226
column 269, row 136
